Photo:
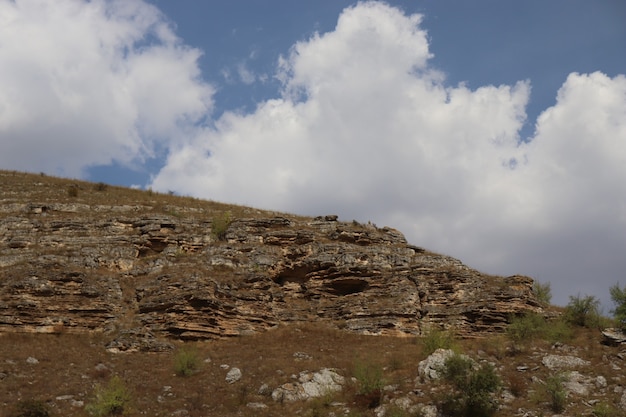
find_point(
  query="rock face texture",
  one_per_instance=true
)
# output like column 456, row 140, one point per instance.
column 77, row 264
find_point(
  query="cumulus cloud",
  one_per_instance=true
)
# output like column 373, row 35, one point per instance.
column 367, row 129
column 87, row 83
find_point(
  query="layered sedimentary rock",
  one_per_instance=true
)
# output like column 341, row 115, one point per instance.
column 95, row 267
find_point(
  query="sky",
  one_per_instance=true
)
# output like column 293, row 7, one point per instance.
column 492, row 131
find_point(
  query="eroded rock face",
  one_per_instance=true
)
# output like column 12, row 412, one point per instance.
column 80, row 267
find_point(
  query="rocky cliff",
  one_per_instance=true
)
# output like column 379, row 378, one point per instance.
column 77, row 257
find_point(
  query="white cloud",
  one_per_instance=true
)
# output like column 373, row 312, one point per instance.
column 368, row 130
column 364, row 128
column 86, row 83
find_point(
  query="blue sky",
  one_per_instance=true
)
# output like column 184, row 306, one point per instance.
column 493, row 131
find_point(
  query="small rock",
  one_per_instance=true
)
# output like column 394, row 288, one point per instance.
column 309, row 385
column 233, row 375
column 32, row 361
column 101, row 367
column 264, row 390
column 613, row 337
column 300, row 356
column 429, row 411
column 256, row 405
column 77, row 403
column 576, row 383
column 430, row 367
column 557, row 361
column 601, row 382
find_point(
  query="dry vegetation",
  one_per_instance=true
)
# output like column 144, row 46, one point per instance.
column 70, row 367
column 44, row 188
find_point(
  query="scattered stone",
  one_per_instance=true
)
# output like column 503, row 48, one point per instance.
column 309, row 385
column 430, row 368
column 563, row 362
column 301, row 356
column 137, row 340
column 256, row 405
column 429, row 411
column 613, row 337
column 32, row 361
column 233, row 375
column 264, row 390
column 576, row 383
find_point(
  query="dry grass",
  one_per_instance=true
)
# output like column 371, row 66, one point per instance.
column 69, row 365
column 47, row 189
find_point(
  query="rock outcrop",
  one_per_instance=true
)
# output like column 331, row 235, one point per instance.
column 79, row 265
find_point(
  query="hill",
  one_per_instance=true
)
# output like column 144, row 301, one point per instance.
column 103, row 284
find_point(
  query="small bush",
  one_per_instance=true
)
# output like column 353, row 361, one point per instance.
column 618, row 296
column 186, row 362
column 604, row 410
column 72, row 191
column 110, row 400
column 558, row 330
column 438, row 339
column 220, row 225
column 100, row 187
column 369, row 377
column 583, row 311
column 526, row 328
column 474, row 388
column 543, row 292
column 555, row 390
column 31, row 408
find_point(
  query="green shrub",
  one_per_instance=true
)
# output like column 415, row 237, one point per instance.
column 558, row 330
column 604, row 410
column 543, row 292
column 369, row 376
column 474, row 388
column 370, row 382
column 526, row 328
column 583, row 311
column 186, row 362
column 31, row 408
column 110, row 400
column 220, row 225
column 618, row 296
column 438, row 339
column 555, row 390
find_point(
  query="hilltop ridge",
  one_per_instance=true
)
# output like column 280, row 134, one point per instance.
column 78, row 257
